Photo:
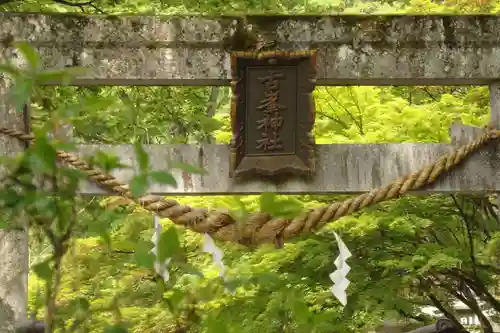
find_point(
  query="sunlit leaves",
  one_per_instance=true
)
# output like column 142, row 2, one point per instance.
column 402, row 114
column 390, row 241
column 286, row 207
column 236, row 207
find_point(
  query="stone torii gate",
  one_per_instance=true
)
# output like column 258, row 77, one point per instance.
column 351, row 50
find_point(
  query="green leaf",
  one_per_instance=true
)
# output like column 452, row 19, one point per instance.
column 208, row 124
column 175, row 296
column 29, row 53
column 20, row 92
column 43, row 154
column 187, row 167
column 189, row 269
column 43, row 270
column 142, row 157
column 234, row 283
column 4, row 224
column 73, row 173
column 83, row 304
column 62, row 77
column 163, row 177
column 106, row 238
column 214, row 324
column 289, row 207
column 65, row 146
column 116, row 329
column 138, row 185
column 101, row 224
column 169, row 244
column 106, row 161
column 143, row 255
column 267, row 202
column 8, row 69
column 241, row 212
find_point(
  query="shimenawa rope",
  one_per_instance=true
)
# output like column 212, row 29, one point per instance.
column 262, row 227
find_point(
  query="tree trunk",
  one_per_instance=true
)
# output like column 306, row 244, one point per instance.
column 467, row 297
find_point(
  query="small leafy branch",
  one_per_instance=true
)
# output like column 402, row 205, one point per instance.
column 43, row 191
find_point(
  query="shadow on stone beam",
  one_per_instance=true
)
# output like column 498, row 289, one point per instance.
column 441, row 326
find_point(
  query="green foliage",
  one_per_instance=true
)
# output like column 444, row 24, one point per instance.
column 285, row 207
column 403, row 251
column 168, row 245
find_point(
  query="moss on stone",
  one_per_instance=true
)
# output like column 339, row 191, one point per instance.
column 137, row 24
column 242, row 39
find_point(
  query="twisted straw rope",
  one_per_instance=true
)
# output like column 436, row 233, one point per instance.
column 262, row 227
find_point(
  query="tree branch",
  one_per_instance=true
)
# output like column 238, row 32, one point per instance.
column 353, row 118
column 474, row 306
column 430, row 95
column 80, row 5
column 478, row 287
column 463, row 293
column 74, row 4
column 468, row 225
column 448, row 314
column 420, row 318
column 334, row 119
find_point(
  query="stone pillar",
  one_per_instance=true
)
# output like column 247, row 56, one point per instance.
column 14, row 254
column 495, row 122
column 495, row 116
column 495, row 105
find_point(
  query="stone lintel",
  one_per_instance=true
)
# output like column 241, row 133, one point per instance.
column 193, row 50
column 341, row 169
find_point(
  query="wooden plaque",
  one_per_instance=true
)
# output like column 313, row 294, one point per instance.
column 272, row 113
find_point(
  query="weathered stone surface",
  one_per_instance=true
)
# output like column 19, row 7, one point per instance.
column 367, row 50
column 13, row 243
column 341, row 169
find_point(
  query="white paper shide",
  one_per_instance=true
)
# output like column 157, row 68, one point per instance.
column 160, row 267
column 338, row 277
column 217, row 254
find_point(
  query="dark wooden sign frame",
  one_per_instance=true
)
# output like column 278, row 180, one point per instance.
column 272, row 113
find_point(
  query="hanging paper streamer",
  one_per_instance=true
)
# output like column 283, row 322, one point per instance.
column 338, row 277
column 160, row 268
column 217, row 254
